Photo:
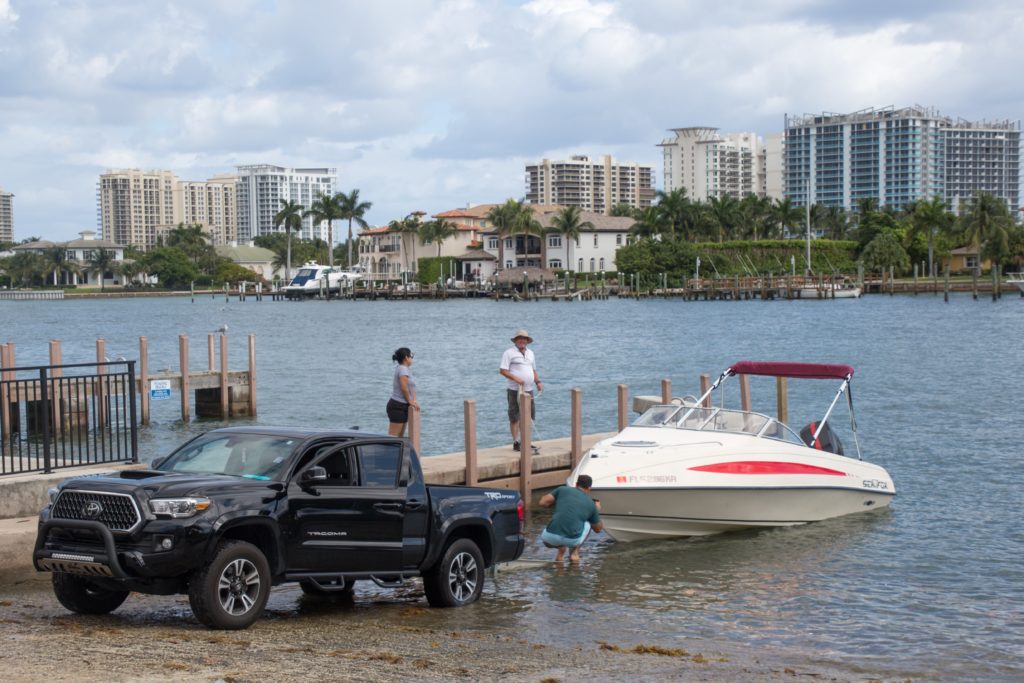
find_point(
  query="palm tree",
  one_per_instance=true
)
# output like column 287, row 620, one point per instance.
column 929, row 217
column 190, row 239
column 526, row 224
column 409, row 226
column 786, row 215
column 569, row 224
column 622, row 210
column 438, row 231
column 352, row 209
column 56, row 258
column 290, row 218
column 676, row 213
column 986, row 223
column 130, row 270
column 724, row 212
column 326, row 208
column 649, row 222
column 502, row 217
column 25, row 268
column 101, row 261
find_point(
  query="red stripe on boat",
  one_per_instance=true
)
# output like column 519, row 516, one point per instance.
column 765, row 467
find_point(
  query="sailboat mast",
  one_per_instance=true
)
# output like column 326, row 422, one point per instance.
column 809, row 238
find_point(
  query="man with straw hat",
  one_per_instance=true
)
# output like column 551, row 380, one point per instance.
column 519, row 367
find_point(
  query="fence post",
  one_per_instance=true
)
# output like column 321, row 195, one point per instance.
column 705, row 384
column 45, row 414
column 469, row 422
column 183, row 364
column 623, row 402
column 666, row 391
column 225, row 408
column 144, row 378
column 252, row 375
column 525, row 446
column 782, row 399
column 576, row 428
column 133, row 415
column 6, row 361
column 101, row 371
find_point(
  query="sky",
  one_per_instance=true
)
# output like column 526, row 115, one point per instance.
column 433, row 105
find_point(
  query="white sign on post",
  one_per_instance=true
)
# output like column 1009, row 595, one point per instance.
column 159, row 389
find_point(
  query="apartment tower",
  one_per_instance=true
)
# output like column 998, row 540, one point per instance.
column 591, row 185
column 709, row 164
column 211, row 204
column 896, row 156
column 6, row 216
column 135, row 205
column 261, row 189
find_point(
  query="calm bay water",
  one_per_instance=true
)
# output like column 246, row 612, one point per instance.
column 930, row 588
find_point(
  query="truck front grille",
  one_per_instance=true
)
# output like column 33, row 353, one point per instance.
column 117, row 511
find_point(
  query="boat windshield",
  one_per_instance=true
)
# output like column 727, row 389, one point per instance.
column 303, row 276
column 716, row 419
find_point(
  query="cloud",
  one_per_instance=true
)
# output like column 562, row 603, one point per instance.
column 429, row 105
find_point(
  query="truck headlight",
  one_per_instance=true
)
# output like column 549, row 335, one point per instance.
column 52, row 493
column 178, row 507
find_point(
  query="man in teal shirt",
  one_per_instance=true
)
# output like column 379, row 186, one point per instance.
column 576, row 514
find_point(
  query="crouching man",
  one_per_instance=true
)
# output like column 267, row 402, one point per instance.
column 576, row 515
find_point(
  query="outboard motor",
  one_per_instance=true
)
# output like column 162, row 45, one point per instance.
column 828, row 440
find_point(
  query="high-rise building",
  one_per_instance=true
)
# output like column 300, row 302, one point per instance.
column 896, row 156
column 709, row 164
column 6, row 216
column 261, row 187
column 134, row 205
column 212, row 204
column 592, row 185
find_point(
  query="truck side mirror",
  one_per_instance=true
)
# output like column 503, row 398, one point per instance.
column 155, row 465
column 312, row 476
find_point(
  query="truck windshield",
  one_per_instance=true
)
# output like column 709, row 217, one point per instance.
column 255, row 456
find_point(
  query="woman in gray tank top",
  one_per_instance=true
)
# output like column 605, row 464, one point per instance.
column 403, row 393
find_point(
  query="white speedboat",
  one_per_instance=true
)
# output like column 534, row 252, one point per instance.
column 691, row 469
column 1016, row 279
column 841, row 289
column 310, row 280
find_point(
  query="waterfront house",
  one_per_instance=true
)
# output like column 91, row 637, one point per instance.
column 79, row 253
column 256, row 259
column 965, row 260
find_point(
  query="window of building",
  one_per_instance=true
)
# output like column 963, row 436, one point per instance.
column 618, row 240
column 601, row 264
column 592, row 265
column 492, row 242
column 509, row 243
column 595, row 239
column 580, row 269
column 555, row 241
column 554, row 263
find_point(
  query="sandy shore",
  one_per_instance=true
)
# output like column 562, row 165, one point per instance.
column 381, row 636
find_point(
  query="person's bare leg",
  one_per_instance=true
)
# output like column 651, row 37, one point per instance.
column 574, row 556
column 561, row 554
column 396, row 428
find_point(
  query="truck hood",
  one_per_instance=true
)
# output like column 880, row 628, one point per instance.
column 156, row 484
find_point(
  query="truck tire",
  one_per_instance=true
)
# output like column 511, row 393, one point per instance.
column 82, row 596
column 231, row 591
column 458, row 579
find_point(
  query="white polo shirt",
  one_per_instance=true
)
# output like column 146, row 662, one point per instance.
column 522, row 365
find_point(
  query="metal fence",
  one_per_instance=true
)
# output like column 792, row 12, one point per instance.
column 59, row 416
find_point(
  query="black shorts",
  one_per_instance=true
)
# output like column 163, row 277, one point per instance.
column 398, row 412
column 513, row 406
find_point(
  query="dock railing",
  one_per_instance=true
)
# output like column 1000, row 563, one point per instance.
column 60, row 416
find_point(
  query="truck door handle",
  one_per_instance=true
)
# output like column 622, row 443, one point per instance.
column 415, row 504
column 387, row 506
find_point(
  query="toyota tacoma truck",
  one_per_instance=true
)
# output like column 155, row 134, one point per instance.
column 236, row 511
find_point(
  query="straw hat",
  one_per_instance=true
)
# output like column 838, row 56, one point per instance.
column 522, row 333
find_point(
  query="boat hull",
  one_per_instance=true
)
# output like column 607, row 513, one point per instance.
column 645, row 513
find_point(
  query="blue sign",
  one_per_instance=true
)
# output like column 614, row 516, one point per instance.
column 159, row 389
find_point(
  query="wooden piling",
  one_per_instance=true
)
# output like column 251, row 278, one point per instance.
column 414, row 428
column 745, row 393
column 252, row 375
column 183, row 364
column 224, row 390
column 974, row 283
column 945, row 295
column 525, row 446
column 705, row 384
column 144, row 379
column 623, row 403
column 56, row 388
column 469, row 422
column 6, row 361
column 211, row 363
column 782, row 399
column 576, row 427
column 666, row 390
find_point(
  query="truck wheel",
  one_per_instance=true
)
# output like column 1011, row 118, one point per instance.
column 231, row 591
column 458, row 579
column 82, row 596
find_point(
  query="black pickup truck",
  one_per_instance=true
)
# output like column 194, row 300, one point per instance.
column 236, row 511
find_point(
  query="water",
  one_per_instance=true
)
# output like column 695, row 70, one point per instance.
column 930, row 588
